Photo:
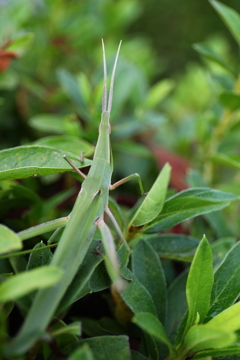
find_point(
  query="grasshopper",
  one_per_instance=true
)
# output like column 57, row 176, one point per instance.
column 87, row 214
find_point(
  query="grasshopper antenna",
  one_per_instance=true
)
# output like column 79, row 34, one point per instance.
column 112, row 80
column 104, row 97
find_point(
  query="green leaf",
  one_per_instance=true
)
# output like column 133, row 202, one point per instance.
column 58, row 124
column 39, row 258
column 9, row 240
column 177, row 304
column 153, row 202
column 24, row 283
column 201, row 337
column 158, row 92
column 50, row 123
column 172, row 246
column 102, row 348
column 227, row 320
column 20, row 43
column 206, row 51
column 199, row 283
column 83, row 353
column 70, row 144
column 226, row 288
column 136, row 296
column 151, row 325
column 35, row 160
column 230, row 99
column 188, row 204
column 228, row 160
column 147, row 266
column 230, row 17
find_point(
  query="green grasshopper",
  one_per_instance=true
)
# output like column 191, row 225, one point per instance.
column 87, row 214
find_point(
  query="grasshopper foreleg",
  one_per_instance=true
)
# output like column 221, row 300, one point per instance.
column 74, row 167
column 126, row 179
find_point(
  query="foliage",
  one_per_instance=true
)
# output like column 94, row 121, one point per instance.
column 172, row 295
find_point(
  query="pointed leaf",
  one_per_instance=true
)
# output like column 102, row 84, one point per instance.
column 188, row 204
column 9, row 240
column 35, row 160
column 199, row 283
column 24, row 283
column 153, row 203
column 230, row 17
column 147, row 266
column 226, row 288
column 151, row 325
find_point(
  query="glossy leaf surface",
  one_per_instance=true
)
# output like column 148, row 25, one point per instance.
column 136, row 296
column 199, row 283
column 35, row 160
column 226, row 288
column 147, row 267
column 188, row 204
